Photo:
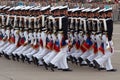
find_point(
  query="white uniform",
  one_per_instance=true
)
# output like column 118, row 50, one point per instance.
column 31, row 43
column 60, row 60
column 47, row 58
column 45, row 50
column 109, row 50
column 7, row 43
column 19, row 48
column 30, row 54
column 13, row 46
column 40, row 47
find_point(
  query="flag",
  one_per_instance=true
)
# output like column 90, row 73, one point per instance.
column 41, row 42
column 86, row 45
column 21, row 41
column 101, row 48
column 12, row 39
column 57, row 46
column 36, row 46
column 95, row 48
column 49, row 43
column 63, row 42
column 77, row 44
column 1, row 36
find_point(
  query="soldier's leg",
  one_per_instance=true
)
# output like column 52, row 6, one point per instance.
column 83, row 57
column 50, row 57
column 29, row 55
column 64, row 63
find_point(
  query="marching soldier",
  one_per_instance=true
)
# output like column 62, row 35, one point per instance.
column 55, row 42
column 61, row 57
column 108, row 46
column 48, row 37
column 44, row 35
column 86, row 44
column 95, row 32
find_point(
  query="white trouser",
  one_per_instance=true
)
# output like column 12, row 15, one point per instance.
column 8, row 47
column 22, row 50
column 11, row 49
column 92, row 55
column 86, row 54
column 106, row 59
column 29, row 55
column 99, row 55
column 72, row 50
column 40, row 50
column 47, row 58
column 27, row 51
column 42, row 54
column 2, row 43
column 60, row 60
column 77, row 54
column 17, row 50
column 5, row 46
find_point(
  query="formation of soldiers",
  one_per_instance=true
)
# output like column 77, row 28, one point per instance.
column 52, row 36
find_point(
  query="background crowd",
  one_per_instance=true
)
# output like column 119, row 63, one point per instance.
column 72, row 3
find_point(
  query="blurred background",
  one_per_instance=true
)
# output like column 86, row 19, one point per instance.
column 72, row 3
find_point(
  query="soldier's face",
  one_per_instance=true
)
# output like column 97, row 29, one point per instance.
column 109, row 14
column 76, row 14
column 96, row 14
column 81, row 14
column 57, row 13
column 104, row 15
column 91, row 14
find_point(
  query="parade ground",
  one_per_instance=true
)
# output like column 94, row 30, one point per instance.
column 13, row 70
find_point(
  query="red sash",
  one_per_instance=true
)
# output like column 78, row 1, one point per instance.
column 36, row 46
column 50, row 45
column 41, row 43
column 95, row 48
column 12, row 39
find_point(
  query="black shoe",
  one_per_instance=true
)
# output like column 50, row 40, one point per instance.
column 67, row 69
column 101, row 69
column 83, row 65
column 91, row 65
column 71, row 58
column 68, row 59
column 75, row 60
column 60, row 69
column 3, row 53
column 8, row 57
column 112, row 70
column 96, row 64
column 55, row 67
column 88, row 62
column 13, row 57
column 51, row 67
column 0, row 54
column 28, row 60
column 45, row 65
column 17, row 57
column 33, row 59
column 80, row 60
column 36, row 61
column 22, row 58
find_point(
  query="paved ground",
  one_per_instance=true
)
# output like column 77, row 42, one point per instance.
column 11, row 70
